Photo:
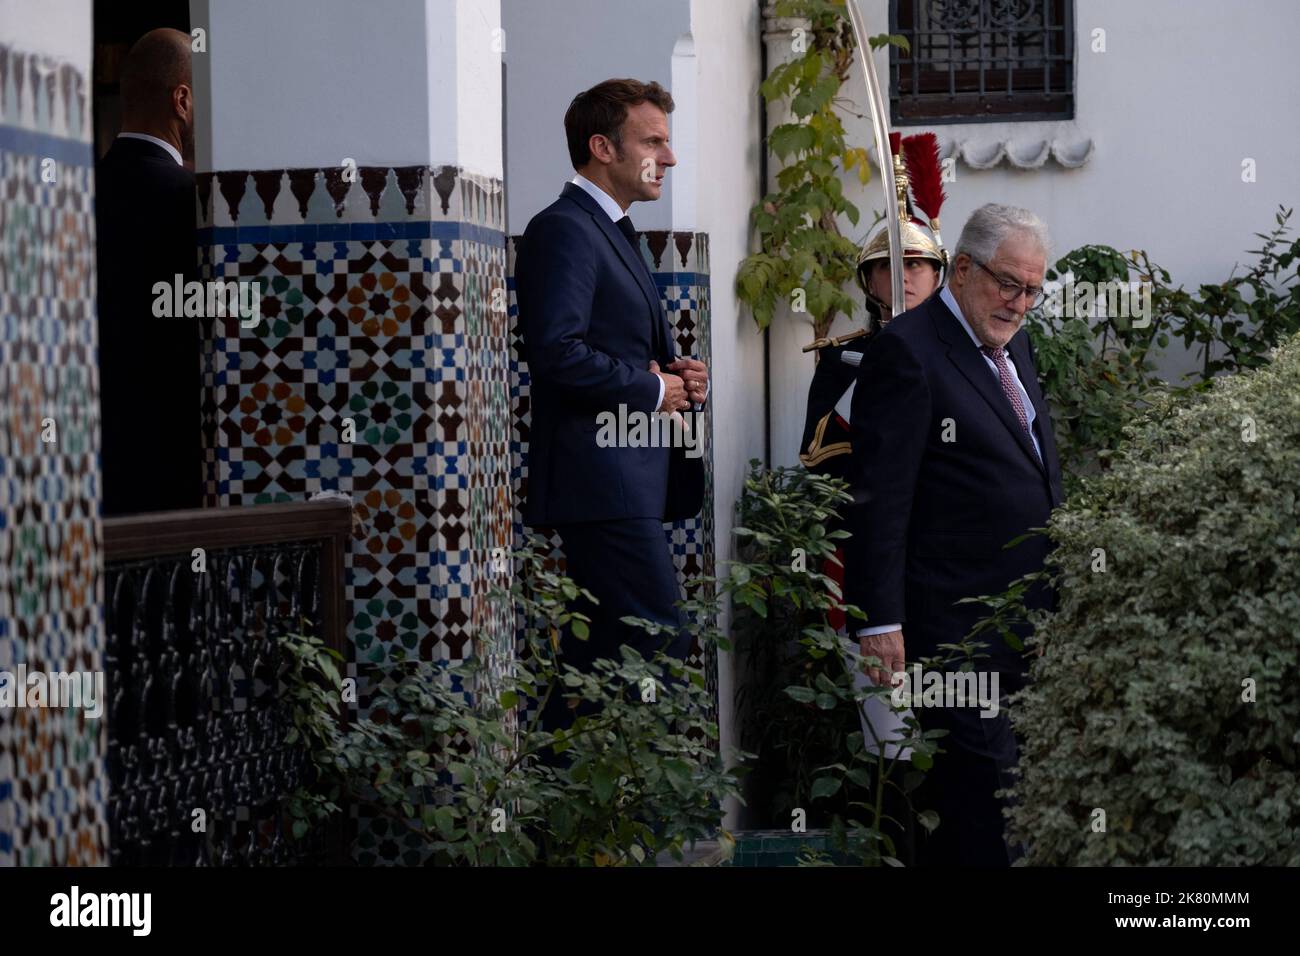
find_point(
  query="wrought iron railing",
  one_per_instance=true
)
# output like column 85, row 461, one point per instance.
column 196, row 601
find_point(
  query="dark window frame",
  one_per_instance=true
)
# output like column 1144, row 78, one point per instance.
column 982, row 77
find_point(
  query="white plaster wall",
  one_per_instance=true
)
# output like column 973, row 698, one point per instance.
column 726, row 35
column 555, row 49
column 476, row 72
column 299, row 83
column 686, row 175
column 57, row 28
column 1184, row 92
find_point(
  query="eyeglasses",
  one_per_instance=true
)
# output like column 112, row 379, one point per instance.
column 1010, row 291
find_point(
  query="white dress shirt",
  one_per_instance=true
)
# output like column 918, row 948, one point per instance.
column 1030, row 413
column 171, row 150
column 603, row 199
column 615, row 213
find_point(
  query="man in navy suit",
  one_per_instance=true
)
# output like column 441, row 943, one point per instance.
column 597, row 344
column 955, row 458
column 150, row 381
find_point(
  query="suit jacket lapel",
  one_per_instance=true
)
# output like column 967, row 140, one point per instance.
column 635, row 264
column 963, row 354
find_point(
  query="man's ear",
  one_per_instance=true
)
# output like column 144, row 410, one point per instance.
column 960, row 268
column 602, row 150
column 183, row 101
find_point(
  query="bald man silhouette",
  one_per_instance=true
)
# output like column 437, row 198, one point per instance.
column 150, row 383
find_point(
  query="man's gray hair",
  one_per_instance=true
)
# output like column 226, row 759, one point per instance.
column 991, row 224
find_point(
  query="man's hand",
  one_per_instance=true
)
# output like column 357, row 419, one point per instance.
column 696, row 376
column 889, row 648
column 674, row 390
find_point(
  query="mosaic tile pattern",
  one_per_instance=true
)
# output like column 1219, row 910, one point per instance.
column 52, row 799
column 378, row 317
column 386, row 328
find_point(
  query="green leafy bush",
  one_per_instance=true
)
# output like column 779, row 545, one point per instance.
column 464, row 772
column 1099, row 369
column 797, row 703
column 1168, row 693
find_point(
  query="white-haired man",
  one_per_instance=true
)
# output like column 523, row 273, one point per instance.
column 954, row 458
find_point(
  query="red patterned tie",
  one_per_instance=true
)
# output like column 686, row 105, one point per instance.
column 999, row 357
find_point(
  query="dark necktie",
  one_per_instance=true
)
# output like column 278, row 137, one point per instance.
column 999, row 357
column 625, row 226
column 629, row 232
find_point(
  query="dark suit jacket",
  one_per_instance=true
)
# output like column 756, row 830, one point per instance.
column 936, row 515
column 591, row 322
column 150, row 382
column 826, row 438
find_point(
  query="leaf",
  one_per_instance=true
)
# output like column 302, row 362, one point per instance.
column 678, row 773
column 825, row 787
column 790, row 138
column 604, row 779
column 445, row 818
column 928, row 819
column 859, row 775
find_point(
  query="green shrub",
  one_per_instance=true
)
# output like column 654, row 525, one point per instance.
column 1099, row 370
column 780, row 595
column 463, row 772
column 797, row 703
column 1168, row 693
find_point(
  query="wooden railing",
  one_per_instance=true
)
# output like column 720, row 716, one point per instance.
column 195, row 604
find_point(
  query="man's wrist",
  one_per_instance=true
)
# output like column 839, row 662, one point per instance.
column 879, row 629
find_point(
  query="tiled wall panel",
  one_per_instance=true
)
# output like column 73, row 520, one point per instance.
column 52, row 782
column 377, row 315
